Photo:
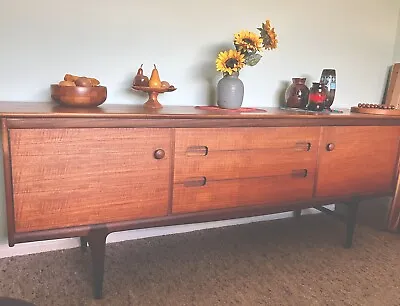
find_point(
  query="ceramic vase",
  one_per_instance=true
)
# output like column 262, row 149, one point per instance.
column 230, row 91
column 296, row 94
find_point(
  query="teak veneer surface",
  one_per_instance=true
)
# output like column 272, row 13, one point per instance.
column 108, row 110
column 71, row 177
column 363, row 161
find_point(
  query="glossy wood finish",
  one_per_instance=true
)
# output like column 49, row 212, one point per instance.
column 273, row 190
column 212, row 170
column 72, row 177
column 89, row 172
column 363, row 161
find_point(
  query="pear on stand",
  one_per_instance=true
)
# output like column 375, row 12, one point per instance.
column 140, row 79
column 154, row 88
column 155, row 81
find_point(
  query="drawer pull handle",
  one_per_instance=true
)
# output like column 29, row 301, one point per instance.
column 303, row 146
column 330, row 147
column 195, row 181
column 159, row 154
column 197, row 151
column 299, row 173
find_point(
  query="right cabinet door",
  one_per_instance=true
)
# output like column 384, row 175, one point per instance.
column 357, row 160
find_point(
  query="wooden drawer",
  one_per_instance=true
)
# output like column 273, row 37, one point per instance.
column 71, row 177
column 273, row 190
column 221, row 168
column 235, row 153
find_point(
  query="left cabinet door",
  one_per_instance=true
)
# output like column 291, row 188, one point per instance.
column 79, row 176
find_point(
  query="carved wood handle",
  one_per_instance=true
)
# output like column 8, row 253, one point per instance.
column 195, row 181
column 197, row 151
column 299, row 173
column 303, row 146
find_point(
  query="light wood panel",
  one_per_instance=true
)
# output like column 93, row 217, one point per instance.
column 70, row 177
column 363, row 160
column 274, row 190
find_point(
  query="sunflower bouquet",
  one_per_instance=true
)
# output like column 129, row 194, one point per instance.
column 248, row 48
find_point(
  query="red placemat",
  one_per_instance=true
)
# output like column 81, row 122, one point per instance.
column 236, row 110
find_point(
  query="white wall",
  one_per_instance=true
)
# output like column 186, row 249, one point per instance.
column 396, row 56
column 44, row 39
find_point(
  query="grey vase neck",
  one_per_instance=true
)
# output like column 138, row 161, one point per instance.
column 233, row 75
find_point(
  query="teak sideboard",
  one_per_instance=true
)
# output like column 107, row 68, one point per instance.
column 73, row 172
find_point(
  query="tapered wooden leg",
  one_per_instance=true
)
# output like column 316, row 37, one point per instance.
column 84, row 244
column 351, row 219
column 297, row 213
column 97, row 244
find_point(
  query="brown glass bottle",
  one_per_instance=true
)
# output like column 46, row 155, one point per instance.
column 317, row 97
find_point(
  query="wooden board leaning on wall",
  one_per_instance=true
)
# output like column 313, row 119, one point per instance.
column 393, row 91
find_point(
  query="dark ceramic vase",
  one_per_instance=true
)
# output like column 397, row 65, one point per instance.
column 296, row 94
column 317, row 97
column 328, row 78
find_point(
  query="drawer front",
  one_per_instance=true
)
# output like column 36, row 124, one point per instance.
column 274, row 190
column 71, row 177
column 235, row 153
column 222, row 168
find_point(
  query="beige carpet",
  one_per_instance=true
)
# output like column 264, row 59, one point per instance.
column 282, row 262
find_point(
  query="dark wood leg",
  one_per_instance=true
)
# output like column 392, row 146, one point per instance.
column 97, row 244
column 297, row 213
column 351, row 219
column 84, row 244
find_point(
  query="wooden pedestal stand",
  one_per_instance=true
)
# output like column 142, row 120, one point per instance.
column 152, row 102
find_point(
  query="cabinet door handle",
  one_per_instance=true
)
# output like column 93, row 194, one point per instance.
column 195, row 181
column 299, row 173
column 303, row 146
column 330, row 147
column 159, row 154
column 197, row 151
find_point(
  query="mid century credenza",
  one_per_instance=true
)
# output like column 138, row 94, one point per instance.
column 72, row 172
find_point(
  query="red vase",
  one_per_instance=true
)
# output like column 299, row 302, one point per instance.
column 296, row 94
column 317, row 97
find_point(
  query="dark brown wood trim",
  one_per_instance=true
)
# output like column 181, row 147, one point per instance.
column 198, row 217
column 172, row 171
column 321, row 134
column 8, row 183
column 393, row 216
column 29, row 123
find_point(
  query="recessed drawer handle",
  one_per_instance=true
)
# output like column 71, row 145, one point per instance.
column 303, row 146
column 197, row 151
column 299, row 173
column 195, row 181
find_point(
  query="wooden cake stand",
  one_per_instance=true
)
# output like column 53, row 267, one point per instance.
column 152, row 102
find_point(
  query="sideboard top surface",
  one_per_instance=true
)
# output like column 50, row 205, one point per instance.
column 53, row 110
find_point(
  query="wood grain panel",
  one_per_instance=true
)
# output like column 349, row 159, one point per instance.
column 71, row 177
column 274, row 190
column 245, row 138
column 233, row 153
column 363, row 160
column 219, row 165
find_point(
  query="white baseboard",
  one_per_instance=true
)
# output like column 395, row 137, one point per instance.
column 59, row 244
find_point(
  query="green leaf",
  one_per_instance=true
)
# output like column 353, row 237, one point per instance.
column 253, row 59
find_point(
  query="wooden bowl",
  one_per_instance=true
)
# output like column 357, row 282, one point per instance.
column 79, row 96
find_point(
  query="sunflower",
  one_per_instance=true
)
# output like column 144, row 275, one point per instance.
column 268, row 36
column 246, row 41
column 229, row 61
